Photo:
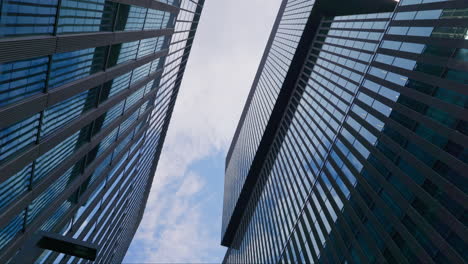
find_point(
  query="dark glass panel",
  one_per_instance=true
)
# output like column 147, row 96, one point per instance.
column 27, row 17
column 74, row 65
column 78, row 16
column 18, row 136
column 21, row 79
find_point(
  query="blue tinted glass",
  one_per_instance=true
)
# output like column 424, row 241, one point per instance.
column 18, row 136
column 113, row 113
column 133, row 98
column 70, row 66
column 27, row 17
column 48, row 196
column 154, row 19
column 14, row 186
column 64, row 112
column 115, row 86
column 21, row 79
column 9, row 231
column 130, row 18
column 56, row 216
column 140, row 72
column 54, row 157
column 85, row 16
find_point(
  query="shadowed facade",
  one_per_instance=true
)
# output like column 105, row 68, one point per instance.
column 352, row 144
column 87, row 90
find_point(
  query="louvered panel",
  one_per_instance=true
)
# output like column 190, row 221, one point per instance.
column 25, row 48
column 82, row 41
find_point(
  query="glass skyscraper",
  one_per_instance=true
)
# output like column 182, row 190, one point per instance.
column 87, row 89
column 352, row 146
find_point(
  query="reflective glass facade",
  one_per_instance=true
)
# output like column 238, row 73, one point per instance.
column 288, row 29
column 84, row 109
column 367, row 164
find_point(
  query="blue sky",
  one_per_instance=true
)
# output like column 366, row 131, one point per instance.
column 182, row 220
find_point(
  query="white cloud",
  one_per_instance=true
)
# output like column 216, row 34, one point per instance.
column 230, row 41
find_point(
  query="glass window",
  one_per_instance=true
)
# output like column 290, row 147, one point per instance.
column 27, row 17
column 149, row 46
column 18, row 136
column 450, row 32
column 64, row 112
column 140, row 72
column 8, row 232
column 14, row 186
column 154, row 19
column 405, row 16
column 48, row 196
column 130, row 18
column 455, row 13
column 404, row 63
column 54, row 157
column 111, row 115
column 128, row 122
column 21, row 79
column 429, row 14
column 133, row 98
column 85, row 16
column 115, row 86
column 412, row 47
column 57, row 216
column 70, row 66
column 420, row 31
column 398, row 30
column 389, row 44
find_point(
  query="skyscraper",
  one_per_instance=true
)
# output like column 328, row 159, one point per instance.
column 87, row 90
column 352, row 146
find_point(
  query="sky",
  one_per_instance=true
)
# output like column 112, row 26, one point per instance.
column 182, row 220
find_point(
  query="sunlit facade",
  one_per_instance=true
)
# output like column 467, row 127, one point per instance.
column 87, row 90
column 364, row 155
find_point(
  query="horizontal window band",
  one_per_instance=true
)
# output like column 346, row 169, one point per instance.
column 419, row 118
column 395, row 195
column 426, row 58
column 325, row 20
column 351, row 29
column 431, row 6
column 19, row 111
column 351, row 38
column 423, row 77
column 15, row 208
column 384, row 206
column 455, row 111
column 344, row 47
column 89, row 191
column 20, row 48
column 79, row 180
column 410, row 135
column 338, row 64
column 444, row 42
column 151, row 4
column 98, row 198
column 445, row 22
column 425, row 197
column 20, row 161
column 452, row 190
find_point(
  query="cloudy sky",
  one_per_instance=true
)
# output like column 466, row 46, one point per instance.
column 182, row 221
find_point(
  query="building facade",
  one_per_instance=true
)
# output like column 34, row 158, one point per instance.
column 353, row 147
column 87, row 90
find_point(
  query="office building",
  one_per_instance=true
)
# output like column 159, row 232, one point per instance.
column 87, row 89
column 352, row 146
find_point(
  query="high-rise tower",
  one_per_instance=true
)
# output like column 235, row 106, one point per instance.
column 87, row 89
column 352, row 146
